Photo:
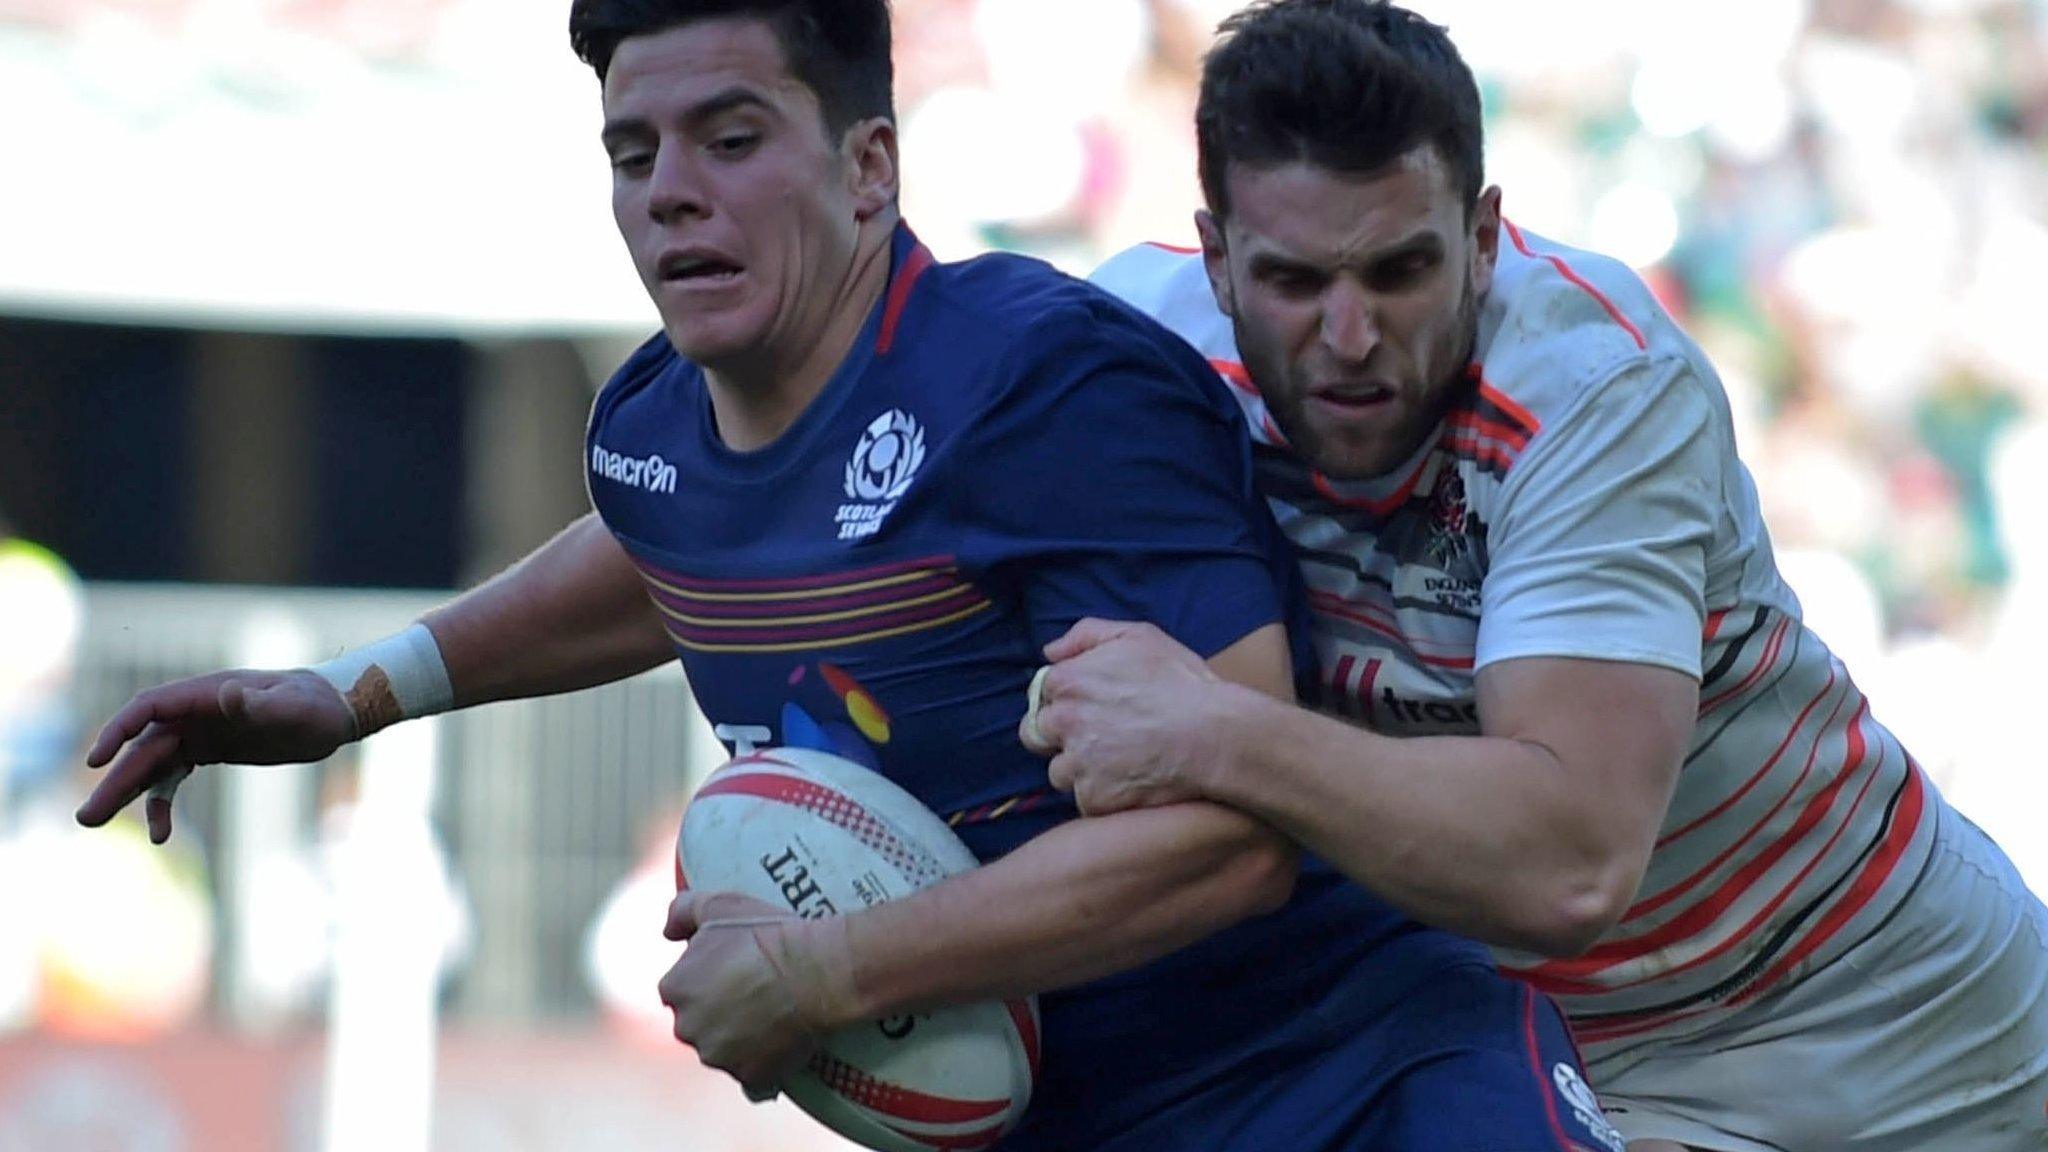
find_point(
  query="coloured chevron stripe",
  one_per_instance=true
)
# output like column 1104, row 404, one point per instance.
column 812, row 612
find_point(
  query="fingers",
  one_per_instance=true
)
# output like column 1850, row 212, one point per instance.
column 1061, row 772
column 151, row 757
column 157, row 705
column 175, row 704
column 1086, row 634
column 1093, row 799
column 691, row 912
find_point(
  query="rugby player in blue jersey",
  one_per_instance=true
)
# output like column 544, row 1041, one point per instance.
column 857, row 492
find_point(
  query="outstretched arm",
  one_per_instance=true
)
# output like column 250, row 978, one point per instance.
column 571, row 615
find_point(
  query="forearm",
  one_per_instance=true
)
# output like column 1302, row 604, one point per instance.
column 573, row 614
column 1484, row 836
column 1087, row 899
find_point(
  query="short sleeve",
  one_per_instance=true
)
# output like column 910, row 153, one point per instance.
column 1115, row 481
column 1600, row 544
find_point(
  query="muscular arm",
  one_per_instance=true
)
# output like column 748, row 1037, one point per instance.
column 1086, row 899
column 572, row 614
column 1534, row 834
column 1089, row 898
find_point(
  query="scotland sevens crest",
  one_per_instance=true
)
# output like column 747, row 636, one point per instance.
column 887, row 458
column 884, row 463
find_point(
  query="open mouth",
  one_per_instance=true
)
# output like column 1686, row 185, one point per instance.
column 1354, row 399
column 698, row 270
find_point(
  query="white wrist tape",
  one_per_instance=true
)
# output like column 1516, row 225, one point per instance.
column 401, row 677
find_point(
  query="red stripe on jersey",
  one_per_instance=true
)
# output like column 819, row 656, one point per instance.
column 1912, row 806
column 1382, row 507
column 1578, row 281
column 914, row 265
column 829, row 583
column 1235, row 375
column 1713, row 629
column 1522, row 417
column 1600, row 1033
column 1177, row 249
column 1342, row 611
column 1735, row 798
column 1880, row 868
column 728, row 610
column 1697, row 918
column 1364, row 611
column 1654, row 903
column 1357, row 614
column 1764, row 664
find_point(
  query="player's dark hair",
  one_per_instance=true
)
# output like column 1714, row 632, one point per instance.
column 1348, row 85
column 838, row 48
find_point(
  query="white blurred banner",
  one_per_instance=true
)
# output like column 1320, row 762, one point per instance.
column 337, row 165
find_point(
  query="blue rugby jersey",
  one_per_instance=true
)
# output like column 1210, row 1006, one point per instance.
column 1005, row 450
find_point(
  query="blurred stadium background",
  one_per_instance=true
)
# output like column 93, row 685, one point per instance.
column 302, row 303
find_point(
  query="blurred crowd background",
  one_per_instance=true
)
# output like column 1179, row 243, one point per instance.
column 301, row 302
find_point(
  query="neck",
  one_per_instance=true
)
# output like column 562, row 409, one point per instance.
column 756, row 398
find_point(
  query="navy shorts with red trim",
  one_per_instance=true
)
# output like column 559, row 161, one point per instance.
column 1469, row 1061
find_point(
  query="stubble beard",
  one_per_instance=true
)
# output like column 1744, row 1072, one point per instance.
column 1449, row 362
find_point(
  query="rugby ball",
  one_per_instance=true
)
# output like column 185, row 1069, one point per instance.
column 821, row 836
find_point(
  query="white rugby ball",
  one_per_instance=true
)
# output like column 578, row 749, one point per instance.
column 821, row 835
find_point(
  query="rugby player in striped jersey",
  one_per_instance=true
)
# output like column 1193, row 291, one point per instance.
column 1568, row 705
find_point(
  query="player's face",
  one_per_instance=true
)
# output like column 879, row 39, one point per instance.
column 1355, row 300
column 742, row 216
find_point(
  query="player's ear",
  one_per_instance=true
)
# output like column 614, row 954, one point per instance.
column 1485, row 238
column 1216, row 260
column 872, row 166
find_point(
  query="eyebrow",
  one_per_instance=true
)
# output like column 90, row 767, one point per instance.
column 711, row 107
column 1266, row 263
column 1420, row 244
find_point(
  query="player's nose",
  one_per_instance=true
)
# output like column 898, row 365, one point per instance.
column 675, row 187
column 1349, row 328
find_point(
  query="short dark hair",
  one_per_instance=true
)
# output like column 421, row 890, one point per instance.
column 838, row 48
column 1350, row 85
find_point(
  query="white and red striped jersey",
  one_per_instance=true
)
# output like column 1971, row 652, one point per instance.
column 1585, row 499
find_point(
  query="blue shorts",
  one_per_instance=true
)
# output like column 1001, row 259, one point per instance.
column 1468, row 1060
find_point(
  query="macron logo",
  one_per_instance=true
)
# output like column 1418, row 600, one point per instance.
column 653, row 473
